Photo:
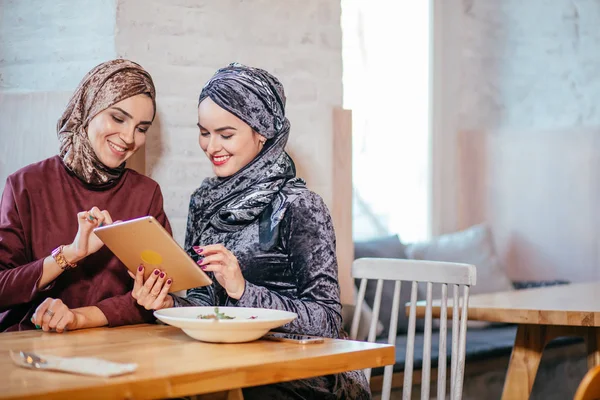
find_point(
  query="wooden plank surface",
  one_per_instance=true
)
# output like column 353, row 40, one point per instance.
column 565, row 305
column 172, row 364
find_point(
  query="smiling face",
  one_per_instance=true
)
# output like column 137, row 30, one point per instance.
column 228, row 142
column 119, row 131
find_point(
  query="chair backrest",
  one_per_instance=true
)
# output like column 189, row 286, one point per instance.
column 589, row 388
column 427, row 273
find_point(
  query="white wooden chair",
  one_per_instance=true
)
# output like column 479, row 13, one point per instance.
column 429, row 272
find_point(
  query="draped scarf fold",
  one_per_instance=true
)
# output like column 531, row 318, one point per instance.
column 105, row 85
column 231, row 203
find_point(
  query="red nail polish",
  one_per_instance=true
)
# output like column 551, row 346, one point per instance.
column 198, row 250
column 141, row 268
column 169, row 282
column 203, row 267
column 162, row 274
column 156, row 272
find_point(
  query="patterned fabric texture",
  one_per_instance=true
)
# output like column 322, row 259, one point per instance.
column 280, row 232
column 258, row 99
column 104, row 86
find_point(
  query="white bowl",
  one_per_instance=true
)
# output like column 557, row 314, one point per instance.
column 242, row 328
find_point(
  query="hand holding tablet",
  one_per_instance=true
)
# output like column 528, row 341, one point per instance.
column 145, row 241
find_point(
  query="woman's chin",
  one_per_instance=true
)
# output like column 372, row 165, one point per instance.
column 113, row 162
column 224, row 172
column 221, row 174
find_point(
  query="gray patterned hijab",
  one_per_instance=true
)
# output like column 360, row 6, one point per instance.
column 258, row 99
column 102, row 87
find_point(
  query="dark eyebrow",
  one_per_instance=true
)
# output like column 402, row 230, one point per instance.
column 123, row 111
column 130, row 117
column 225, row 128
column 221, row 129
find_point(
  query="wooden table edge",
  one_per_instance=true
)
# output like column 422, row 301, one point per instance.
column 519, row 316
column 221, row 380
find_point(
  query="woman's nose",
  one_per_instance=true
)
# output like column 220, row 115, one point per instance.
column 213, row 144
column 127, row 135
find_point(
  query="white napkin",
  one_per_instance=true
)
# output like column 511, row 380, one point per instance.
column 76, row 365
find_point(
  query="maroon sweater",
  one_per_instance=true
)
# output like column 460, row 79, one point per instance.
column 38, row 212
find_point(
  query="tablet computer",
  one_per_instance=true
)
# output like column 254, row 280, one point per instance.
column 145, row 241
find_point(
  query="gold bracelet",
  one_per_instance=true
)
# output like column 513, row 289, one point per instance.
column 60, row 259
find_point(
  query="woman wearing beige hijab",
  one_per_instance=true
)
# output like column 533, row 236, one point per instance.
column 55, row 274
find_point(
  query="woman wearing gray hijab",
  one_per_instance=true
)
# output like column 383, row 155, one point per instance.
column 266, row 239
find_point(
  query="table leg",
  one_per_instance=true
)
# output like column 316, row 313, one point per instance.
column 233, row 394
column 592, row 342
column 524, row 361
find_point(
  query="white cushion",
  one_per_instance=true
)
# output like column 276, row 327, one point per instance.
column 472, row 246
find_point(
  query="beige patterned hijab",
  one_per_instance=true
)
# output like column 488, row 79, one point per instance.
column 105, row 85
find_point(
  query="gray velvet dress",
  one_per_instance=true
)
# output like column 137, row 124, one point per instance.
column 280, row 232
column 299, row 274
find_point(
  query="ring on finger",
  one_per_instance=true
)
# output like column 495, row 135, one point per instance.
column 50, row 313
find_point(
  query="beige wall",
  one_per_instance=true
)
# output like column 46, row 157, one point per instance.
column 44, row 54
column 518, row 123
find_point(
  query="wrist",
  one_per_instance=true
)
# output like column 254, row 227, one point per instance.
column 79, row 320
column 88, row 317
column 60, row 259
column 238, row 293
column 71, row 255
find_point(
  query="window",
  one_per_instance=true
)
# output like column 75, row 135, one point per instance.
column 386, row 58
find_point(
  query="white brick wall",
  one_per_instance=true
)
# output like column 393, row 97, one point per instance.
column 510, row 65
column 47, row 47
column 529, row 64
column 182, row 44
column 50, row 45
column 525, row 100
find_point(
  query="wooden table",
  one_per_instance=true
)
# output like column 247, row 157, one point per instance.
column 542, row 314
column 172, row 364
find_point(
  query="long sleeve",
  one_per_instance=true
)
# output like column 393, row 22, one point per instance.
column 311, row 243
column 19, row 273
column 123, row 309
column 38, row 212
